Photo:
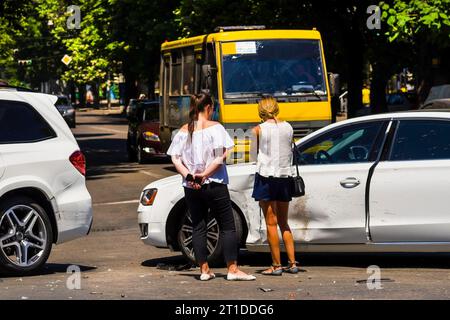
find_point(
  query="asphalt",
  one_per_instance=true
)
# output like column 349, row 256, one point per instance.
column 115, row 264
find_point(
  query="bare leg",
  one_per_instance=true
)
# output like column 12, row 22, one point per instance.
column 272, row 230
column 282, row 215
column 204, row 267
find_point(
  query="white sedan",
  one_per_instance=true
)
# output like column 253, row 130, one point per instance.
column 373, row 184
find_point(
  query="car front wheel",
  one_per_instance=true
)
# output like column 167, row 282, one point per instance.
column 213, row 242
column 25, row 236
column 140, row 154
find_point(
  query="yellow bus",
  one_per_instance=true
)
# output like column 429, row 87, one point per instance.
column 238, row 66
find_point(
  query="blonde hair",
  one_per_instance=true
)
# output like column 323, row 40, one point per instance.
column 268, row 108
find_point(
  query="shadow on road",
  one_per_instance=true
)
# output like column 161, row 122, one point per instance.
column 90, row 135
column 51, row 268
column 352, row 260
column 168, row 261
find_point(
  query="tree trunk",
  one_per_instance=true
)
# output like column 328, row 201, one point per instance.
column 82, row 93
column 130, row 85
column 380, row 77
column 355, row 79
column 355, row 57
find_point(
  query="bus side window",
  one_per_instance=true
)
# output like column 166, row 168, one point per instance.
column 175, row 79
column 188, row 71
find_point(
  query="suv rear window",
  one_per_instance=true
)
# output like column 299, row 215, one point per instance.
column 21, row 123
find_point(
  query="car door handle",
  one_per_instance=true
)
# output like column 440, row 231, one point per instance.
column 350, row 182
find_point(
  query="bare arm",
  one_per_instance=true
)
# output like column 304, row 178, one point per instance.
column 220, row 159
column 254, row 143
column 181, row 168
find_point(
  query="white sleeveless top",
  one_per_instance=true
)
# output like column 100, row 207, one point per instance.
column 199, row 154
column 275, row 150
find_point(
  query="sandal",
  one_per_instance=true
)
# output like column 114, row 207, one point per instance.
column 207, row 276
column 272, row 271
column 292, row 268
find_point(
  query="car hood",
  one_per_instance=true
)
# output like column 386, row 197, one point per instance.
column 150, row 126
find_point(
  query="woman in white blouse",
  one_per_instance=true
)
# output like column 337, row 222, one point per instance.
column 198, row 152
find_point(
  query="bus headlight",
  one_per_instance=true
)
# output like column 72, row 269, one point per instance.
column 148, row 196
column 150, row 136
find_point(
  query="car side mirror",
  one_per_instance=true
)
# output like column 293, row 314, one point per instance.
column 333, row 81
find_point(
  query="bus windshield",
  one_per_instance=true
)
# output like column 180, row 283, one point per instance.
column 275, row 67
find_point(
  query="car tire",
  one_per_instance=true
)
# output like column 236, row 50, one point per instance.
column 24, row 228
column 130, row 152
column 215, row 257
column 140, row 155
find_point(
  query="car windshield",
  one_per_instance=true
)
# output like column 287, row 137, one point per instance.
column 151, row 112
column 276, row 67
column 62, row 101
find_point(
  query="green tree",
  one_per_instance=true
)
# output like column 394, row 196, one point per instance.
column 423, row 27
column 143, row 25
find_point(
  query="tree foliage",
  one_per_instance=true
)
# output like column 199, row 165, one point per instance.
column 408, row 18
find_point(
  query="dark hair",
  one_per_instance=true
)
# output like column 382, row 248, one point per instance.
column 198, row 104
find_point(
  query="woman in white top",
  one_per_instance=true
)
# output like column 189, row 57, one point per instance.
column 273, row 185
column 198, row 152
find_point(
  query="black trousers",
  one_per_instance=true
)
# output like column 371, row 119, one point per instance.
column 216, row 198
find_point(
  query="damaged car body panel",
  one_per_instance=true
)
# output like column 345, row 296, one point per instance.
column 370, row 187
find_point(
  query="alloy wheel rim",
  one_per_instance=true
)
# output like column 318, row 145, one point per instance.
column 212, row 235
column 23, row 236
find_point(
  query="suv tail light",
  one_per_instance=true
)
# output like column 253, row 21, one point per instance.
column 79, row 162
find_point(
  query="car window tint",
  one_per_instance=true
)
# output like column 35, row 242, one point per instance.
column 421, row 140
column 20, row 123
column 151, row 113
column 351, row 144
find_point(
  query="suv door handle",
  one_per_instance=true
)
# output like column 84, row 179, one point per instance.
column 350, row 182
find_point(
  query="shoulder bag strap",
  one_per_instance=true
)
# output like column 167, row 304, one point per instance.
column 295, row 150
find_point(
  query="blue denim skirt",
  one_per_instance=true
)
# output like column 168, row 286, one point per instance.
column 272, row 188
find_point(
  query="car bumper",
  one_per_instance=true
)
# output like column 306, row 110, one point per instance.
column 153, row 149
column 74, row 212
column 152, row 232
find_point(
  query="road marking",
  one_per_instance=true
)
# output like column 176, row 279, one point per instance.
column 106, row 129
column 151, row 174
column 114, row 203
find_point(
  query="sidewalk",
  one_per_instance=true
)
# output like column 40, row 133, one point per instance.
column 103, row 110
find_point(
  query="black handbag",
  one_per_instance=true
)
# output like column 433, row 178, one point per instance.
column 297, row 183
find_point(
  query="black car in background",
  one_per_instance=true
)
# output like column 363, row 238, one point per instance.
column 67, row 111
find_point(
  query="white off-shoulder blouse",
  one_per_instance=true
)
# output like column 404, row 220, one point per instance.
column 201, row 152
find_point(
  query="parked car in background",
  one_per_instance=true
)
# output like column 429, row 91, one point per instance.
column 377, row 183
column 131, row 107
column 143, row 141
column 66, row 109
column 438, row 98
column 43, row 194
column 399, row 101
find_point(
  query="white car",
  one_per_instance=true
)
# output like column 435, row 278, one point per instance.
column 374, row 183
column 43, row 195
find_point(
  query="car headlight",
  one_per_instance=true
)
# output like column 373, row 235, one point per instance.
column 148, row 196
column 150, row 136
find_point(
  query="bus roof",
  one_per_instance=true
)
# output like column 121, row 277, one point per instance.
column 242, row 35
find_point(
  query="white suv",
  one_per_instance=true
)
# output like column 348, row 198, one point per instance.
column 43, row 195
